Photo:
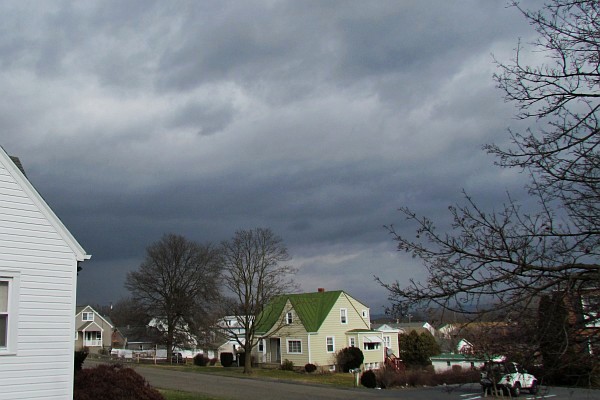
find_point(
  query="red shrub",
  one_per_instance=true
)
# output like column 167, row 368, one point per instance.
column 114, row 382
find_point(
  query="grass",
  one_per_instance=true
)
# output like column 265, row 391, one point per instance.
column 338, row 380
column 179, row 395
column 326, row 378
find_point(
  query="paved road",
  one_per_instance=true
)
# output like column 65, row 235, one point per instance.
column 253, row 389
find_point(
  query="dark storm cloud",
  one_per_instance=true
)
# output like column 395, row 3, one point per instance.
column 317, row 119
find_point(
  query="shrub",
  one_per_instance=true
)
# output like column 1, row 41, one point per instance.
column 226, row 359
column 368, row 379
column 114, row 382
column 457, row 376
column 287, row 365
column 310, row 368
column 415, row 377
column 80, row 357
column 213, row 361
column 389, row 377
column 200, row 360
column 349, row 358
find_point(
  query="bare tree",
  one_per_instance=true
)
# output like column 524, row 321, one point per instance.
column 177, row 284
column 505, row 261
column 255, row 273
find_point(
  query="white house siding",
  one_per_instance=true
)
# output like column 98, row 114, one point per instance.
column 30, row 245
column 442, row 364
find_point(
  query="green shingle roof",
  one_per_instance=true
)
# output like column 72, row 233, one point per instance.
column 311, row 308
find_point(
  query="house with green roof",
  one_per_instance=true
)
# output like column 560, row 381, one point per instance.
column 311, row 327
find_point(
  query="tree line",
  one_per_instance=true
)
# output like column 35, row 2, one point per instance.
column 184, row 289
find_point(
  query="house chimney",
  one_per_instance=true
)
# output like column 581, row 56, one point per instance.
column 321, row 290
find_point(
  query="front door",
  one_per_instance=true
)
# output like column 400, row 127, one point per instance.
column 275, row 350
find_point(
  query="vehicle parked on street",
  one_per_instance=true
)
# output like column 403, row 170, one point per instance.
column 509, row 377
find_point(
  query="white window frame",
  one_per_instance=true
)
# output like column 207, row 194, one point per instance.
column 85, row 314
column 332, row 344
column 344, row 316
column 387, row 341
column 376, row 345
column 289, row 341
column 289, row 318
column 261, row 345
column 365, row 313
column 12, row 312
column 352, row 342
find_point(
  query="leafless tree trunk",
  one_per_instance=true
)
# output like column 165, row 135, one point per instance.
column 254, row 272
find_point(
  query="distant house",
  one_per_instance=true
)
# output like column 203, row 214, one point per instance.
column 138, row 338
column 580, row 311
column 408, row 327
column 94, row 332
column 448, row 361
column 231, row 335
column 39, row 259
column 312, row 327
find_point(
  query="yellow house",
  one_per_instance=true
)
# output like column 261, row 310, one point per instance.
column 311, row 327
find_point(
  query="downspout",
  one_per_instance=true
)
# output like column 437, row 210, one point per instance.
column 309, row 348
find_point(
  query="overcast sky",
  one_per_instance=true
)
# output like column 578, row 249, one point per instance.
column 318, row 119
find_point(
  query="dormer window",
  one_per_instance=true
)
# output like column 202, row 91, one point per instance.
column 87, row 316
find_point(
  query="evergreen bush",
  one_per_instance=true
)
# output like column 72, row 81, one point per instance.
column 349, row 358
column 226, row 359
column 200, row 360
column 368, row 379
column 80, row 357
column 310, row 368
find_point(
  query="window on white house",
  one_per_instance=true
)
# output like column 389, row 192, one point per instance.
column 330, row 344
column 294, row 346
column 289, row 318
column 343, row 316
column 9, row 299
column 87, row 316
column 261, row 345
column 365, row 313
column 3, row 313
column 352, row 342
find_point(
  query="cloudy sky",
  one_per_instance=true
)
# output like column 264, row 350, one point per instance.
column 318, row 119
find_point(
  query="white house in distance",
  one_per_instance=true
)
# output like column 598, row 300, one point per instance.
column 38, row 275
column 233, row 333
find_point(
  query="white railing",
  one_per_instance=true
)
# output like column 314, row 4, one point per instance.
column 92, row 343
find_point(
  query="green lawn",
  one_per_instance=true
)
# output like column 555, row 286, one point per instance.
column 178, row 395
column 333, row 379
column 339, row 379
